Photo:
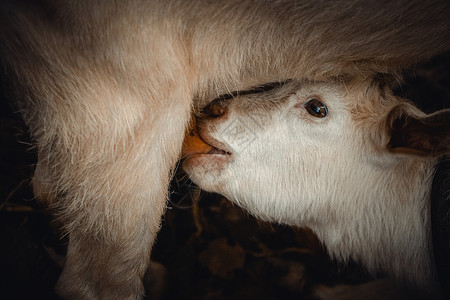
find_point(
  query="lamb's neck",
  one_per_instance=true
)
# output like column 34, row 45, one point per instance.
column 388, row 227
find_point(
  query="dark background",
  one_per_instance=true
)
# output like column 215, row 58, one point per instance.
column 209, row 249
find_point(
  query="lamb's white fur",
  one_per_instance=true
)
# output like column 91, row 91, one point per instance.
column 334, row 175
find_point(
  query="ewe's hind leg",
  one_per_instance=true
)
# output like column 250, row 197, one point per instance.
column 110, row 197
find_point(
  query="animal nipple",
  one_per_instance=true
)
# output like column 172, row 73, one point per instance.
column 193, row 143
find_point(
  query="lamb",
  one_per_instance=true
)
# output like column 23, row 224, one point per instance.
column 107, row 89
column 348, row 160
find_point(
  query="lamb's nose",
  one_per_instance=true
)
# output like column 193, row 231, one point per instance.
column 215, row 109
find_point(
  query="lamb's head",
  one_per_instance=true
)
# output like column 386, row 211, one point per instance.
column 351, row 161
column 279, row 153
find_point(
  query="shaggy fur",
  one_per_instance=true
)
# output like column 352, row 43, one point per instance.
column 107, row 87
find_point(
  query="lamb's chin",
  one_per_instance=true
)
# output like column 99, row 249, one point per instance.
column 205, row 173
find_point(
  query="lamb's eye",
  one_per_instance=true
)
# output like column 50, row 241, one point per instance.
column 316, row 108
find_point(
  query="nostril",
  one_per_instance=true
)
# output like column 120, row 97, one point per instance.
column 214, row 110
column 217, row 110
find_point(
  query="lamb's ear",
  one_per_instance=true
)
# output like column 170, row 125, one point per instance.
column 413, row 132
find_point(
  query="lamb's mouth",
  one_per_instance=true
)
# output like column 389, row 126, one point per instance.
column 200, row 142
column 215, row 150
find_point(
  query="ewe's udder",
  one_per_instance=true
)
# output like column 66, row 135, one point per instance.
column 193, row 144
